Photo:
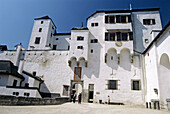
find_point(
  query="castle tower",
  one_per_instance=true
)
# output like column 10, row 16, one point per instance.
column 42, row 33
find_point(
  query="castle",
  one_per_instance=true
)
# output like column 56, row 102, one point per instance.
column 123, row 54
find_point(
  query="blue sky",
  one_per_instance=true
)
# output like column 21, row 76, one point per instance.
column 17, row 16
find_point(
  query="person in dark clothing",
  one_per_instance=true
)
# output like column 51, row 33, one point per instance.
column 79, row 98
column 74, row 97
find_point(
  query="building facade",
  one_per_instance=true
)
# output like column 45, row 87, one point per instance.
column 106, row 58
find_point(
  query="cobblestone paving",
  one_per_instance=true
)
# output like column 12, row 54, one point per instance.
column 84, row 108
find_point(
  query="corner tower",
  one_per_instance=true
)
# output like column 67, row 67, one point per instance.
column 42, row 33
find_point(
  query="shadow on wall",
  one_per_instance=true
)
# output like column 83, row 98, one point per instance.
column 94, row 59
column 138, row 34
column 164, row 79
column 44, row 88
column 125, row 59
column 113, row 60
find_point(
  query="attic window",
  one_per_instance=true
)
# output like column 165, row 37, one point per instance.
column 42, row 22
column 149, row 21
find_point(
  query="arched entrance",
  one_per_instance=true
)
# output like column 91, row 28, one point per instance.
column 77, row 87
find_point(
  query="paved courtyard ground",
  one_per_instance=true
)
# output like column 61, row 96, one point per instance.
column 84, row 108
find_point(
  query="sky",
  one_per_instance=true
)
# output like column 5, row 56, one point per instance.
column 17, row 16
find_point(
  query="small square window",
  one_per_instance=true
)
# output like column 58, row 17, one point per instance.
column 146, row 41
column 91, row 50
column 42, row 22
column 80, row 38
column 92, row 24
column 112, row 84
column 37, row 40
column 135, row 85
column 34, row 73
column 79, row 47
column 96, row 24
column 40, row 29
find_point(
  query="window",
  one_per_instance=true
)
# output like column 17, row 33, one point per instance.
column 68, row 47
column 56, row 38
column 40, row 29
column 65, row 90
column 51, row 34
column 54, row 47
column 27, row 94
column 16, row 93
column 80, row 38
column 94, row 40
column 112, row 84
column 123, row 19
column 117, row 19
column 42, row 22
column 112, row 37
column 149, row 21
column 37, row 40
column 34, row 73
column 79, row 47
column 26, row 84
column 136, row 85
column 118, row 36
column 14, row 83
column 146, row 41
column 91, row 50
column 124, row 36
column 77, row 73
column 94, row 24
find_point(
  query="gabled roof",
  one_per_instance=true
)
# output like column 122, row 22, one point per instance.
column 7, row 67
column 30, row 75
column 62, row 34
column 157, row 37
column 80, row 28
column 45, row 17
column 124, row 11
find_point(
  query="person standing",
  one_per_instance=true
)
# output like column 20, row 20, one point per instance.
column 79, row 98
column 74, row 97
column 108, row 99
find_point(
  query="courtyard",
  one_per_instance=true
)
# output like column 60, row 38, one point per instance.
column 84, row 108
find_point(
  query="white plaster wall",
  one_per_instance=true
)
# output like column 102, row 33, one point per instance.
column 45, row 35
column 141, row 31
column 79, row 53
column 151, row 74
column 11, row 80
column 54, row 70
column 63, row 41
column 9, row 91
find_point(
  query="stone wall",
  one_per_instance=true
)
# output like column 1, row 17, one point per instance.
column 12, row 100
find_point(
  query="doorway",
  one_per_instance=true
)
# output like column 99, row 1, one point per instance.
column 91, row 93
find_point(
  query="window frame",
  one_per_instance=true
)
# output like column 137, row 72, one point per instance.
column 37, row 40
column 109, row 84
column 80, row 38
column 139, row 85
